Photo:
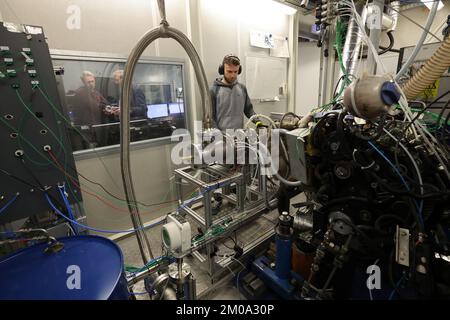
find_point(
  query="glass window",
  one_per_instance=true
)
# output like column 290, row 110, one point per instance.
column 90, row 93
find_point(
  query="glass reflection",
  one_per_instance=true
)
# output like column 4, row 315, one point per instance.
column 91, row 96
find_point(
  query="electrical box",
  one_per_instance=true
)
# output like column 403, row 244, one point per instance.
column 31, row 118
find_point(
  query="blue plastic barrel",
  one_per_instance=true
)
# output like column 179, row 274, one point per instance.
column 87, row 268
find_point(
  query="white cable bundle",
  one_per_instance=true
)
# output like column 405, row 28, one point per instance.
column 417, row 128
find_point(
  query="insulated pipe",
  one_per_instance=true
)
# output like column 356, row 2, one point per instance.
column 430, row 72
column 163, row 31
column 352, row 46
column 427, row 27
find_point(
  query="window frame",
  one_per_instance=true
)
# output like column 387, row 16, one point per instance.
column 57, row 54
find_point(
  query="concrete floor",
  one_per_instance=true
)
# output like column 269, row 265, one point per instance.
column 224, row 291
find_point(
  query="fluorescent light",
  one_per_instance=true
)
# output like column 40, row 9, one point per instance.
column 430, row 4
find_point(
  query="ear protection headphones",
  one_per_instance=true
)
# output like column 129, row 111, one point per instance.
column 221, row 69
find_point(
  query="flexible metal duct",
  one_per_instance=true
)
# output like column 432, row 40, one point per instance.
column 163, row 31
column 352, row 44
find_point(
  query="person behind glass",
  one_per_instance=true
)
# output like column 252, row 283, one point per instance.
column 88, row 102
column 230, row 99
column 138, row 104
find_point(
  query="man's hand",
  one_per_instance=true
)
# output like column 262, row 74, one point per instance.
column 111, row 110
column 115, row 111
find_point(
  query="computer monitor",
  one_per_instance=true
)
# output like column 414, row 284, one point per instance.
column 176, row 107
column 157, row 110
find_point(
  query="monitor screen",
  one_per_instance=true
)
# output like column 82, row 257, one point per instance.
column 176, row 107
column 157, row 111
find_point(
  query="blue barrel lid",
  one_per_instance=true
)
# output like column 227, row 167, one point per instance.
column 33, row 274
column 389, row 93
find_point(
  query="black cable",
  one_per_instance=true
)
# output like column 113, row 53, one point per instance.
column 378, row 225
column 390, row 46
column 30, row 172
column 444, row 127
column 114, row 196
column 408, row 193
column 317, row 127
column 288, row 114
column 386, row 49
column 227, row 246
column 337, row 85
column 426, row 108
column 6, row 173
column 41, row 187
column 416, row 117
column 411, row 20
column 442, row 113
column 378, row 133
column 233, row 239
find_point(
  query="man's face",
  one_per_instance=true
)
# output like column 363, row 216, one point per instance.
column 117, row 79
column 89, row 82
column 230, row 72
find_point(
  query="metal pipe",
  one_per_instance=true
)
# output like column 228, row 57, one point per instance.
column 162, row 10
column 394, row 13
column 375, row 34
column 324, row 78
column 190, row 291
column 164, row 31
column 142, row 275
column 322, row 72
column 331, row 61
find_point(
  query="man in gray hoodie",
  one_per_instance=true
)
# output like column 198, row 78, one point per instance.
column 230, row 101
column 230, row 98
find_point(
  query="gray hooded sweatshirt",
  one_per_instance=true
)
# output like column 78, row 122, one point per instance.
column 230, row 102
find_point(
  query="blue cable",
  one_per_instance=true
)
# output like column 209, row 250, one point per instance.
column 69, row 208
column 9, row 234
column 138, row 293
column 396, row 287
column 62, row 192
column 95, row 229
column 9, row 203
column 419, row 208
column 120, row 231
column 184, row 205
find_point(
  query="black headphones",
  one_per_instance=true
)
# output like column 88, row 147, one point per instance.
column 222, row 68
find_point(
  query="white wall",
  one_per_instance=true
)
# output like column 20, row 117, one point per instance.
column 408, row 34
column 114, row 26
column 308, row 74
column 225, row 27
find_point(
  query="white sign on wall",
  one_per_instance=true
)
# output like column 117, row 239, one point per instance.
column 261, row 39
